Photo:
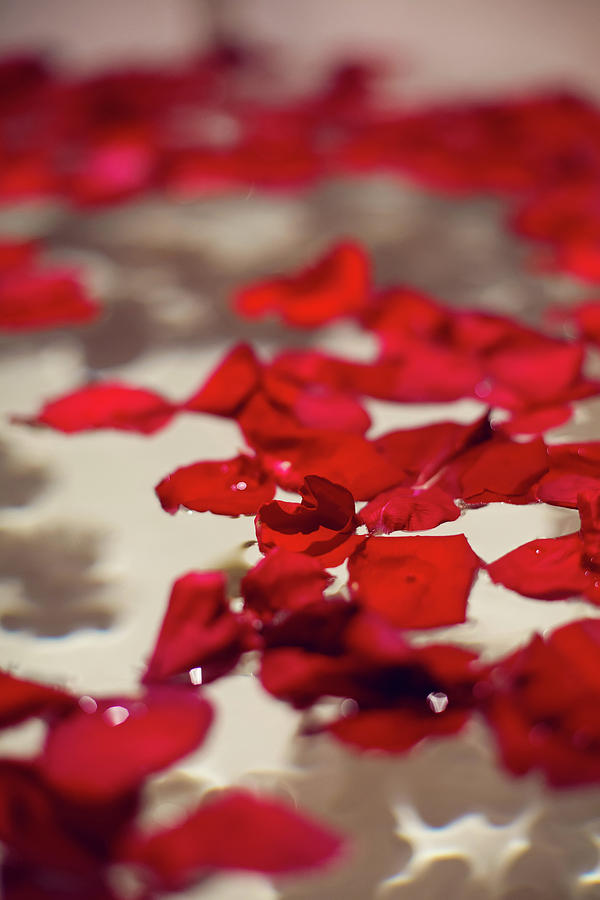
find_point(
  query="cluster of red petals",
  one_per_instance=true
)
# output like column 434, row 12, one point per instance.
column 34, row 297
column 71, row 813
column 401, row 693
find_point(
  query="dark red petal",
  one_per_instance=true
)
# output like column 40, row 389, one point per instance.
column 337, row 285
column 100, row 755
column 547, row 569
column 34, row 821
column 322, row 525
column 284, row 580
column 20, row 699
column 105, row 405
column 234, row 830
column 497, row 471
column 230, row 385
column 414, row 582
column 408, row 509
column 232, row 487
column 30, row 300
column 396, row 730
column 198, row 631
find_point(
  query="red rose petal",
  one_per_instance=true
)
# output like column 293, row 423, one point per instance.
column 408, row 509
column 99, row 755
column 232, row 487
column 414, row 582
column 20, row 699
column 31, row 300
column 337, row 285
column 396, row 730
column 234, row 830
column 230, row 385
column 347, row 459
column 198, row 631
column 534, row 421
column 533, row 373
column 421, row 452
column 497, row 471
column 322, row 525
column 547, row 569
column 105, row 405
column 284, row 581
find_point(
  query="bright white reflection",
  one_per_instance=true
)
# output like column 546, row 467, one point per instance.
column 196, row 675
column 116, row 715
column 437, row 701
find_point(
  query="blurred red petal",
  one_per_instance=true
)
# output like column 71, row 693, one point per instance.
column 336, row 285
column 96, row 756
column 31, row 300
column 233, row 381
column 396, row 730
column 234, row 830
column 21, row 699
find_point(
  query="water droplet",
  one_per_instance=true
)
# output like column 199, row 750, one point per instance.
column 284, row 465
column 116, row 715
column 88, row 704
column 239, row 486
column 349, row 707
column 484, row 388
column 354, row 585
column 196, row 675
column 438, row 701
column 538, row 550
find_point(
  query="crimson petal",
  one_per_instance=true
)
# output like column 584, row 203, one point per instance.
column 408, row 509
column 233, row 830
column 284, row 580
column 232, row 487
column 105, row 405
column 99, row 755
column 199, row 631
column 414, row 582
column 337, row 285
